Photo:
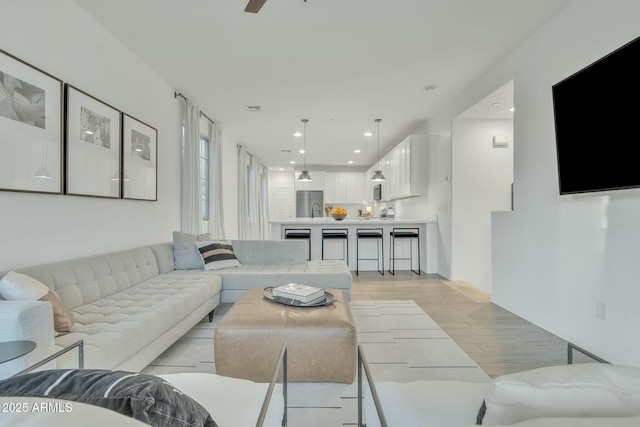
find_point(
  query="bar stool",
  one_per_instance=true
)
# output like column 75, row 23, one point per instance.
column 370, row 233
column 299, row 233
column 404, row 233
column 337, row 233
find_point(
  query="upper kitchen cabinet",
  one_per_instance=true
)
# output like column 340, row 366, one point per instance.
column 345, row 187
column 316, row 183
column 405, row 169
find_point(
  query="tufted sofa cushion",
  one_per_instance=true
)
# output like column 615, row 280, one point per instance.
column 83, row 280
column 115, row 327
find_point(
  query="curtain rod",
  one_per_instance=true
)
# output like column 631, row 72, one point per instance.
column 178, row 94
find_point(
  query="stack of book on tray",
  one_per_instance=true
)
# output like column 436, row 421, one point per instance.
column 297, row 294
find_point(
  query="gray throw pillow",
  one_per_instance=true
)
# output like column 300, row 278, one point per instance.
column 185, row 252
column 146, row 398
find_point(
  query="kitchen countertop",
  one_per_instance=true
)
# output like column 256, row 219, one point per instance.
column 354, row 221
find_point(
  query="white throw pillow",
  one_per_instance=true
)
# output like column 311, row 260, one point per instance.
column 582, row 390
column 17, row 286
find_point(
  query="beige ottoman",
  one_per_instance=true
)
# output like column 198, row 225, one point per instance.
column 321, row 341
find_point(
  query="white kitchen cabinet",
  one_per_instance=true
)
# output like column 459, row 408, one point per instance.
column 331, row 187
column 344, row 187
column 355, row 187
column 316, row 183
column 405, row 169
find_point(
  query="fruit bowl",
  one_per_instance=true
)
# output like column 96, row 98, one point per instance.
column 338, row 217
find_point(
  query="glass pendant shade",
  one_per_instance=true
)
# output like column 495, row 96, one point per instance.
column 304, row 176
column 378, row 177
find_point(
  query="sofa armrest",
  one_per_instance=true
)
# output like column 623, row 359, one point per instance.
column 26, row 320
column 266, row 252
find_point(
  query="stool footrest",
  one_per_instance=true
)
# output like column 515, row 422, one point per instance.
column 404, row 234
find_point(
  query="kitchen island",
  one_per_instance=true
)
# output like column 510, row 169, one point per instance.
column 333, row 248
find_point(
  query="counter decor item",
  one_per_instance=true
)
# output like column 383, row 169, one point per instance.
column 339, row 214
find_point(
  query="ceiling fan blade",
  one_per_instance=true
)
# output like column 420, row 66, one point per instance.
column 254, row 6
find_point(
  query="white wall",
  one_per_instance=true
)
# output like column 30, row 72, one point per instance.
column 230, row 185
column 61, row 39
column 481, row 183
column 555, row 256
column 438, row 199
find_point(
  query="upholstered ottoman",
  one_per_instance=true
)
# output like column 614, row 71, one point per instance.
column 321, row 341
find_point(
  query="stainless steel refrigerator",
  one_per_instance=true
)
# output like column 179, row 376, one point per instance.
column 309, row 204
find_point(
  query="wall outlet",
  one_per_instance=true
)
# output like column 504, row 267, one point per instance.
column 601, row 310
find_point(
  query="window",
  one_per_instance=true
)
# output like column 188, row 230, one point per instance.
column 204, row 178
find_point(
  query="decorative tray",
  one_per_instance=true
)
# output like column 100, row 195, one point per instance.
column 329, row 299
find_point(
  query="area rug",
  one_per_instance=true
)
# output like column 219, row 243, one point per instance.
column 401, row 343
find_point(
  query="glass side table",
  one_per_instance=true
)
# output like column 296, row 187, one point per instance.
column 10, row 350
column 78, row 344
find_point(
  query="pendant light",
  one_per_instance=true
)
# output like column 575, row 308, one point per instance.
column 378, row 176
column 304, row 176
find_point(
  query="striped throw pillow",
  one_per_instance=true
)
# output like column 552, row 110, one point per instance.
column 217, row 255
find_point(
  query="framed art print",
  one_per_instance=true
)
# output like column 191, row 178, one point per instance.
column 93, row 146
column 30, row 128
column 139, row 159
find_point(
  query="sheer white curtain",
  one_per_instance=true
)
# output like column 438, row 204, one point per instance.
column 244, row 226
column 190, row 203
column 263, row 206
column 252, row 197
column 216, row 218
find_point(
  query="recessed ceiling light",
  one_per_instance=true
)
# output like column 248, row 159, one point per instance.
column 293, row 162
column 301, row 151
column 350, row 162
column 512, row 109
column 281, row 169
column 297, row 134
column 356, row 151
column 368, row 134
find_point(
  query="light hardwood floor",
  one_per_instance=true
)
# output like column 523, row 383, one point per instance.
column 496, row 339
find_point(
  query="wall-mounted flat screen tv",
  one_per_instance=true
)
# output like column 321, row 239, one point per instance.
column 597, row 121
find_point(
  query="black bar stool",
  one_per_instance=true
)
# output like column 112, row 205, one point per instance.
column 370, row 233
column 404, row 233
column 337, row 233
column 300, row 233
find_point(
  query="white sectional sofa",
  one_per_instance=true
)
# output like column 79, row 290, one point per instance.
column 130, row 306
column 266, row 263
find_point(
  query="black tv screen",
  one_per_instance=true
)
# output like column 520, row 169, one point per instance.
column 597, row 122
